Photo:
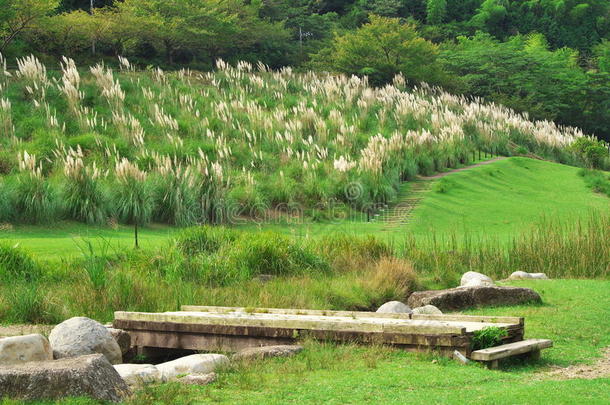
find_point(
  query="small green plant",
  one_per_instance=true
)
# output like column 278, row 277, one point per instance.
column 488, row 337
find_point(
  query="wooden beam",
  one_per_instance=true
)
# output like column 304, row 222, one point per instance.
column 287, row 311
column 510, row 349
column 299, row 322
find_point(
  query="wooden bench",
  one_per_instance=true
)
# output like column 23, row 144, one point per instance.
column 493, row 354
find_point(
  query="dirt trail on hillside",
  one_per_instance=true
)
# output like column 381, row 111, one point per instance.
column 601, row 369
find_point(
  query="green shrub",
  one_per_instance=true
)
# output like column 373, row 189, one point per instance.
column 487, row 337
column 204, row 239
column 272, row 253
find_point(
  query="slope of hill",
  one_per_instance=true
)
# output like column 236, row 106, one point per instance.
column 191, row 147
column 505, row 198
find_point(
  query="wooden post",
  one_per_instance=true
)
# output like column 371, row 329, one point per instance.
column 535, row 355
column 492, row 365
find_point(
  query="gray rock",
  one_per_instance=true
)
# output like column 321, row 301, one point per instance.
column 138, row 374
column 85, row 376
column 198, row 379
column 474, row 279
column 522, row 275
column 80, row 336
column 268, row 351
column 468, row 297
column 394, row 307
column 22, row 349
column 427, row 310
column 122, row 338
column 193, row 364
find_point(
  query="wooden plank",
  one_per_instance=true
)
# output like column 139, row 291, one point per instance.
column 229, row 343
column 355, row 314
column 510, row 349
column 305, row 322
column 471, row 318
column 288, row 311
column 142, row 327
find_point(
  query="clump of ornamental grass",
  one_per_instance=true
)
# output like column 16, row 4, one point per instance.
column 82, row 192
column 6, row 118
column 7, row 213
column 174, row 193
column 35, row 198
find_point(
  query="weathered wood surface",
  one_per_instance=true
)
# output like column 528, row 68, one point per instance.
column 231, row 329
column 511, row 349
column 355, row 314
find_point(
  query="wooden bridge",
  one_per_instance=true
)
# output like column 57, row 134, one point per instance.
column 231, row 329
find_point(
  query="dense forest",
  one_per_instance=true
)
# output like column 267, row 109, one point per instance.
column 550, row 58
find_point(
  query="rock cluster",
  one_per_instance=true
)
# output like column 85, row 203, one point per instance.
column 476, row 290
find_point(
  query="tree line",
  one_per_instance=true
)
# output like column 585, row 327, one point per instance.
column 550, row 58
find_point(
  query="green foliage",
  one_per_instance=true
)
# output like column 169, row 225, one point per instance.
column 381, row 49
column 595, row 153
column 204, row 239
column 436, row 11
column 487, row 337
column 35, row 199
column 596, row 180
column 16, row 264
column 84, row 198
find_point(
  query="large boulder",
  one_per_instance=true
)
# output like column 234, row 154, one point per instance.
column 474, row 279
column 80, row 336
column 86, row 376
column 394, row 307
column 138, row 374
column 468, row 297
column 427, row 310
column 264, row 352
column 193, row 364
column 523, row 275
column 122, row 338
column 23, row 349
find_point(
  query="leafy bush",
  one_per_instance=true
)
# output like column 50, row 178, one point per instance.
column 487, row 337
column 271, row 253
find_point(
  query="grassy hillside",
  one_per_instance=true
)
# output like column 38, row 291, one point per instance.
column 187, row 147
column 504, row 199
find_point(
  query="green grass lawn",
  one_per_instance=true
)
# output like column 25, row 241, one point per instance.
column 67, row 239
column 503, row 199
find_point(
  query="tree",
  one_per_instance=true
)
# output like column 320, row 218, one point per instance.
column 436, row 11
column 602, row 54
column 381, row 49
column 182, row 25
column 17, row 16
column 492, row 17
column 132, row 196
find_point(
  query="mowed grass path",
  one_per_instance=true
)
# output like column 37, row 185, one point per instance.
column 68, row 239
column 503, row 199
